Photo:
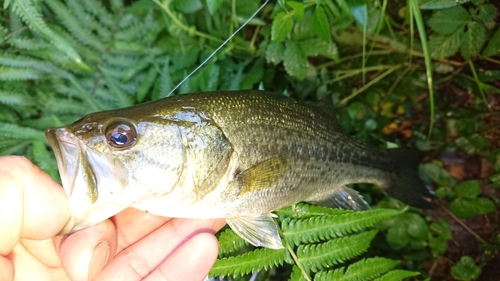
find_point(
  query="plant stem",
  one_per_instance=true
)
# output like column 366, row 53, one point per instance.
column 414, row 6
column 479, row 84
column 369, row 84
column 464, row 225
column 294, row 256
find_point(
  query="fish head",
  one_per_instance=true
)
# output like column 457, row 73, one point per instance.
column 108, row 161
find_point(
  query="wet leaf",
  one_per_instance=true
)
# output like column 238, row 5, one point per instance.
column 320, row 24
column 443, row 46
column 468, row 189
column 448, row 21
column 466, row 269
column 295, row 61
column 472, row 40
column 493, row 47
column 282, row 25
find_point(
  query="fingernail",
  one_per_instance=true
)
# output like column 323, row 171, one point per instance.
column 99, row 259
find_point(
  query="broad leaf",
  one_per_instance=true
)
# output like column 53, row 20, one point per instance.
column 472, row 40
column 447, row 21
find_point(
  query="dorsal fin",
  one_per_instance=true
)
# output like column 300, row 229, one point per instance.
column 327, row 108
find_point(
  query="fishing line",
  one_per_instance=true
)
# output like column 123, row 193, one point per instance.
column 220, row 47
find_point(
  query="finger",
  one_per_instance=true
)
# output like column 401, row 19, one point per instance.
column 28, row 267
column 126, row 223
column 6, row 269
column 192, row 261
column 84, row 253
column 141, row 258
column 32, row 205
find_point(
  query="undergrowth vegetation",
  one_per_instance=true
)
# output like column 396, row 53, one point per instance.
column 422, row 74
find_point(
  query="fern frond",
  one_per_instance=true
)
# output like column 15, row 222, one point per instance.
column 116, row 93
column 397, row 275
column 20, row 61
column 12, row 98
column 17, row 148
column 259, row 259
column 319, row 256
column 43, row 159
column 320, row 228
column 305, row 210
column 229, row 242
column 336, row 274
column 25, row 43
column 99, row 11
column 166, row 84
column 89, row 21
column 30, row 14
column 74, row 26
column 11, row 73
column 296, row 274
column 13, row 131
column 367, row 269
column 64, row 106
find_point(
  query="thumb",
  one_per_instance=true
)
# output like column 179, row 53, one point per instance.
column 32, row 204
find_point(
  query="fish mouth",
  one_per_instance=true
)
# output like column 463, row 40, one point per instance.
column 93, row 181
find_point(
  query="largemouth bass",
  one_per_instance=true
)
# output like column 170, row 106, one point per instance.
column 233, row 155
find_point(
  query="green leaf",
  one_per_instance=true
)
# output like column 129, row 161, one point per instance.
column 14, row 131
column 146, row 84
column 213, row 5
column 462, row 208
column 484, row 206
column 11, row 73
column 472, row 40
column 473, row 145
column 487, row 12
column 259, row 259
column 468, row 189
column 449, row 20
column 275, row 53
column 187, row 6
column 320, row 24
column 298, row 9
column 367, row 269
column 282, row 25
column 397, row 275
column 315, row 257
column 493, row 47
column 323, row 227
column 443, row 46
column 465, row 270
column 318, row 47
column 229, row 242
column 417, row 226
column 33, row 18
column 397, row 235
column 440, row 4
column 295, row 61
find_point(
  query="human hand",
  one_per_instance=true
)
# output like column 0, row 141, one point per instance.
column 132, row 245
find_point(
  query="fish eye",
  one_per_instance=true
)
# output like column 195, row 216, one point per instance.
column 120, row 135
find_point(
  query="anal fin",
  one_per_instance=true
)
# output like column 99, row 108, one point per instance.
column 342, row 198
column 259, row 231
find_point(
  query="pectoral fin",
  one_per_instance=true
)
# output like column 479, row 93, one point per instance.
column 342, row 198
column 259, row 231
column 263, row 175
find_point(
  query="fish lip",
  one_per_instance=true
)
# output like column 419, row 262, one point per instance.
column 65, row 147
column 71, row 155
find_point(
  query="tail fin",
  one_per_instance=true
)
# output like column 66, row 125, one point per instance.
column 406, row 184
